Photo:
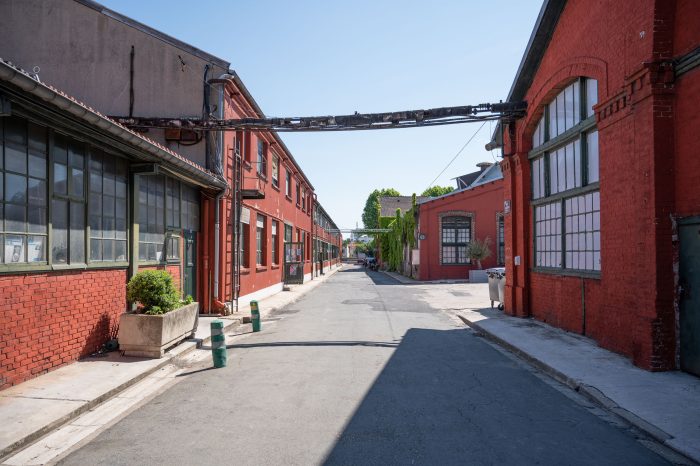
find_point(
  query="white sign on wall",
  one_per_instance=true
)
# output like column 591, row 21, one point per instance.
column 245, row 215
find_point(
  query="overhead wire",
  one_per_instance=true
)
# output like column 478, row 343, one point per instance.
column 457, row 154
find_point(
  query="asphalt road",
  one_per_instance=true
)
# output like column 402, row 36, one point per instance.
column 363, row 371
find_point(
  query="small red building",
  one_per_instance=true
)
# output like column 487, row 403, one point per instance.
column 448, row 223
column 602, row 174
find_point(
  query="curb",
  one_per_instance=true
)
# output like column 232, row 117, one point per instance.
column 590, row 392
column 187, row 346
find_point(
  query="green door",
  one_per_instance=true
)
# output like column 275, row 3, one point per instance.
column 190, row 270
column 689, row 232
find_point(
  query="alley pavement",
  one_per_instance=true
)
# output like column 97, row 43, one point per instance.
column 364, row 370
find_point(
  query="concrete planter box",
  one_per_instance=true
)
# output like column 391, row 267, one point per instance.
column 478, row 276
column 149, row 336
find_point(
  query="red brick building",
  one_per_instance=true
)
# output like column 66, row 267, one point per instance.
column 214, row 209
column 448, row 223
column 602, row 174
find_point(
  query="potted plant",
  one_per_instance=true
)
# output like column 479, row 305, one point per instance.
column 161, row 319
column 478, row 251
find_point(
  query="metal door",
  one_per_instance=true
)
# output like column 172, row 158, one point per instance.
column 689, row 233
column 190, row 265
column 294, row 263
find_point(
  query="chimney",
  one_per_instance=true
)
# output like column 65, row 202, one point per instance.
column 484, row 165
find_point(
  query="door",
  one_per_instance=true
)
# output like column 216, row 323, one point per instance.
column 190, row 265
column 294, row 263
column 689, row 278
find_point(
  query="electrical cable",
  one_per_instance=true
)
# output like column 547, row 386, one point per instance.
column 457, row 154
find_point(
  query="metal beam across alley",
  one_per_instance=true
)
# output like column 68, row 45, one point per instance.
column 357, row 121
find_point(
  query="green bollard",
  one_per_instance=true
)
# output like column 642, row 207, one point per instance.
column 218, row 343
column 255, row 315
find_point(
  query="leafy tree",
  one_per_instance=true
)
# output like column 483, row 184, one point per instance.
column 479, row 250
column 435, row 191
column 370, row 214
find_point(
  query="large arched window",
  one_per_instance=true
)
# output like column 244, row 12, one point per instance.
column 564, row 162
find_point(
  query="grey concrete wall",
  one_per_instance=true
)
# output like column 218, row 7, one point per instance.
column 86, row 54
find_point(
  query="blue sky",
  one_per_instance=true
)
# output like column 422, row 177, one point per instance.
column 329, row 58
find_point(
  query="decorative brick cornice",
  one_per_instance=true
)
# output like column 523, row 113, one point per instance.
column 653, row 78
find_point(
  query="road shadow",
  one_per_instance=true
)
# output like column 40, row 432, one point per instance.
column 446, row 397
column 376, row 344
column 381, row 279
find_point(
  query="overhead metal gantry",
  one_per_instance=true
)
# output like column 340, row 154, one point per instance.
column 357, row 121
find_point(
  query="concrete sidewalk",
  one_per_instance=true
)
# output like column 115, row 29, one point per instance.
column 662, row 404
column 36, row 407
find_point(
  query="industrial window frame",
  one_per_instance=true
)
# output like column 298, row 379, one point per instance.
column 456, row 234
column 573, row 152
column 500, row 239
column 260, row 240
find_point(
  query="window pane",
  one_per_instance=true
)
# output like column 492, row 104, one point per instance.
column 59, row 220
column 36, row 249
column 77, row 233
column 37, row 164
column 569, row 106
column 37, row 192
column 15, row 158
column 60, row 178
column 561, row 116
column 95, row 249
column 591, row 95
column 77, row 183
column 593, row 160
column 15, row 188
column 15, row 218
column 36, row 220
column 552, row 119
column 120, row 251
column 553, row 177
column 108, row 250
column 577, row 102
column 15, row 249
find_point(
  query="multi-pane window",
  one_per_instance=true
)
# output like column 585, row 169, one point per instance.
column 23, row 191
column 190, row 208
column 298, row 194
column 151, row 218
column 262, row 158
column 567, row 227
column 172, row 204
column 68, row 203
column 500, row 240
column 455, row 237
column 260, row 240
column 548, row 235
column 303, row 199
column 287, row 233
column 275, row 252
column 107, row 211
column 275, row 170
column 582, row 214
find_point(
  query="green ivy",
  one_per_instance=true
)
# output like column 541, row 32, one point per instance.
column 401, row 234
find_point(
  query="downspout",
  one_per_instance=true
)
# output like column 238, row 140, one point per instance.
column 217, row 201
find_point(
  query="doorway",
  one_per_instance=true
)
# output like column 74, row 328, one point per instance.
column 689, row 280
column 189, row 284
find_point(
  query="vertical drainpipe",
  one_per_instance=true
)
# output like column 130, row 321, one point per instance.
column 217, row 200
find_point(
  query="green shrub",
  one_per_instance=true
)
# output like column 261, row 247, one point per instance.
column 188, row 299
column 154, row 290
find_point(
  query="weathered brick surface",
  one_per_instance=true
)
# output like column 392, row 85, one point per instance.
column 50, row 319
column 649, row 173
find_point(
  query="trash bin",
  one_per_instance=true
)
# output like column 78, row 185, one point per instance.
column 497, row 284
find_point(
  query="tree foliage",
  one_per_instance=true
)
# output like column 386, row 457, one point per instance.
column 435, row 191
column 479, row 250
column 370, row 214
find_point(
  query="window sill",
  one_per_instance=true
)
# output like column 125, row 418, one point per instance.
column 173, row 261
column 260, row 268
column 247, row 165
column 568, row 272
column 275, row 266
column 151, row 263
column 276, row 187
column 289, row 198
column 244, row 271
column 262, row 177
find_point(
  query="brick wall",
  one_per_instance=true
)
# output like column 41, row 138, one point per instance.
column 647, row 124
column 50, row 319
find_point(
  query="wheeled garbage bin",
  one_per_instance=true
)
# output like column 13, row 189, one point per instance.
column 497, row 284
